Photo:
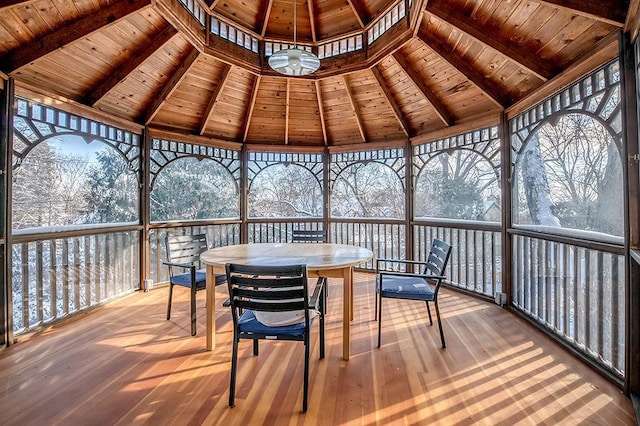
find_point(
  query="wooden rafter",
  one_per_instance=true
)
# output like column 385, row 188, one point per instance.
column 170, row 86
column 418, row 81
column 632, row 24
column 222, row 81
column 404, row 124
column 312, row 21
column 132, row 63
column 493, row 93
column 604, row 11
column 265, row 20
column 55, row 40
column 539, row 67
column 357, row 12
column 286, row 113
column 252, row 104
column 321, row 110
column 212, row 3
column 354, row 108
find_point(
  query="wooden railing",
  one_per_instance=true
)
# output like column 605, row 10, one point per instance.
column 475, row 264
column 220, row 233
column 575, row 290
column 73, row 271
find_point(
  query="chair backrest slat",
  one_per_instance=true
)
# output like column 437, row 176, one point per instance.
column 267, row 288
column 438, row 258
column 309, row 236
column 186, row 248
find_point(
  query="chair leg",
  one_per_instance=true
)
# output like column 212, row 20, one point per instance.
column 169, row 304
column 234, row 368
column 305, row 392
column 429, row 312
column 375, row 310
column 193, row 311
column 379, row 296
column 440, row 325
column 323, row 309
column 255, row 347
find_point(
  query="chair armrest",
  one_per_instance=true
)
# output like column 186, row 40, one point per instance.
column 179, row 265
column 315, row 297
column 400, row 261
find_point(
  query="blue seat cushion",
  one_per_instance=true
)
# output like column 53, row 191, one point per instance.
column 201, row 279
column 406, row 288
column 249, row 324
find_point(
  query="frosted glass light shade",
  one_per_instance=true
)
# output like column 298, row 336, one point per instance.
column 294, row 62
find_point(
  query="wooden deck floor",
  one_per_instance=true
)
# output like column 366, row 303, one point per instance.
column 125, row 364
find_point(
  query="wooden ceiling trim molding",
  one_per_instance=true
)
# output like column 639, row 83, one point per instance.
column 286, row 149
column 130, row 65
column 252, row 105
column 43, row 96
column 321, row 110
column 354, row 108
column 602, row 52
column 43, row 46
column 418, row 81
column 265, row 20
column 312, row 21
column 159, row 133
column 357, row 12
column 464, row 68
column 391, row 144
column 212, row 4
column 604, row 11
column 170, row 86
column 222, row 81
column 540, row 68
column 286, row 113
column 397, row 112
column 632, row 24
column 463, row 126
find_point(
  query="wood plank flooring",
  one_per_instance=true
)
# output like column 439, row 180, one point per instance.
column 126, row 364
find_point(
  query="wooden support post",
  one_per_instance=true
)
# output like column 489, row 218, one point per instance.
column 505, row 180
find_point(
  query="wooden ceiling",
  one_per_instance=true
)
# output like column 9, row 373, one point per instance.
column 447, row 65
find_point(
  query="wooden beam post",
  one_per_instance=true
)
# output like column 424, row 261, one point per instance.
column 6, row 147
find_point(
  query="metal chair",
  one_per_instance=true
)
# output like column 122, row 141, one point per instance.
column 259, row 292
column 183, row 253
column 423, row 285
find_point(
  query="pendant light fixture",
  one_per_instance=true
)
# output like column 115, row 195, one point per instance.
column 294, row 62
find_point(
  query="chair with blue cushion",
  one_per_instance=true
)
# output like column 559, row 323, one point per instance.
column 419, row 281
column 183, row 254
column 273, row 303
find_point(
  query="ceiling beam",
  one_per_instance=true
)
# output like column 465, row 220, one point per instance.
column 212, row 3
column 632, row 24
column 542, row 69
column 312, row 21
column 418, row 81
column 252, row 104
column 170, row 86
column 321, row 109
column 76, row 30
column 354, row 108
column 286, row 113
column 265, row 20
column 129, row 65
column 222, row 81
column 613, row 13
column 404, row 124
column 357, row 11
column 480, row 81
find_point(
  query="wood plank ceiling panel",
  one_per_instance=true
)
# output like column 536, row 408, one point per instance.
column 281, row 24
column 24, row 23
column 188, row 102
column 334, row 17
column 414, row 107
column 342, row 127
column 249, row 13
column 268, row 119
column 305, row 127
column 136, row 92
column 374, row 109
column 226, row 121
